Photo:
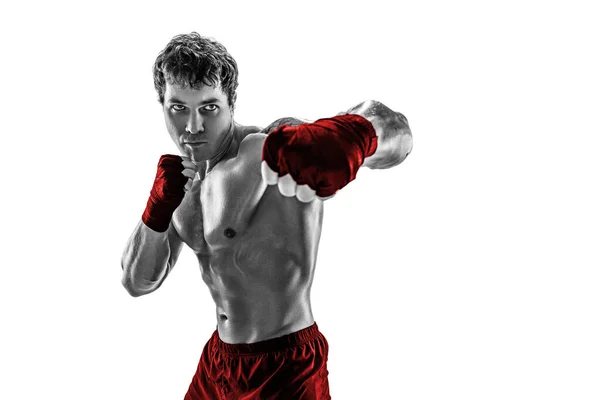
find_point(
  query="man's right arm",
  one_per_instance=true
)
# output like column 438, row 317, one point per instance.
column 154, row 246
column 148, row 258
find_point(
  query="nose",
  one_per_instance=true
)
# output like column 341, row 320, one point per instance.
column 195, row 124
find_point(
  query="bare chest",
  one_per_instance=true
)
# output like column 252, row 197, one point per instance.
column 219, row 208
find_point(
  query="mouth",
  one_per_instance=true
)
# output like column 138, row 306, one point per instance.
column 194, row 143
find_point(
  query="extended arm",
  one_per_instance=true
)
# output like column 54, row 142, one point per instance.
column 394, row 138
column 309, row 160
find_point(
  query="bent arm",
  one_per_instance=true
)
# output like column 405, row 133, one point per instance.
column 394, row 138
column 148, row 258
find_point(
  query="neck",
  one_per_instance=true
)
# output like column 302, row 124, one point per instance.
column 224, row 148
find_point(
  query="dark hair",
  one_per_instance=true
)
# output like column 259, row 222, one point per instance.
column 192, row 60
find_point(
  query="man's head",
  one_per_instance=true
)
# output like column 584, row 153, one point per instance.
column 196, row 80
column 192, row 60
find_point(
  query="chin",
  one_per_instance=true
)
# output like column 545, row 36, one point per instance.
column 197, row 156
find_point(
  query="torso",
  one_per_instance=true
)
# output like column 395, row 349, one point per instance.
column 256, row 248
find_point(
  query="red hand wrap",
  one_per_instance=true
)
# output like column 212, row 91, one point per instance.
column 325, row 155
column 166, row 194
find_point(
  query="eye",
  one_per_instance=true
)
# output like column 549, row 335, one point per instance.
column 177, row 107
column 210, row 107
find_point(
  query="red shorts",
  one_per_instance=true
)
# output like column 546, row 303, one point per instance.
column 289, row 367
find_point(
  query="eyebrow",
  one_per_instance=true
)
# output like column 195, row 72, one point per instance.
column 207, row 101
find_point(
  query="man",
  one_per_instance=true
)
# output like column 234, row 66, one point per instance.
column 249, row 203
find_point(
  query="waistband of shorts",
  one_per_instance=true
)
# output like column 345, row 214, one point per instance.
column 269, row 345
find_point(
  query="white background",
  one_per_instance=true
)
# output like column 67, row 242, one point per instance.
column 470, row 271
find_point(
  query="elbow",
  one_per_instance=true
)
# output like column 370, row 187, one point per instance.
column 134, row 291
column 134, row 287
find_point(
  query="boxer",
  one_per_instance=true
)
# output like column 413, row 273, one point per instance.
column 249, row 203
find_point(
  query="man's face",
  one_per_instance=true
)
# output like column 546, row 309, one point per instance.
column 198, row 120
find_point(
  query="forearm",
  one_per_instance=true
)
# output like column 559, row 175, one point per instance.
column 145, row 260
column 394, row 138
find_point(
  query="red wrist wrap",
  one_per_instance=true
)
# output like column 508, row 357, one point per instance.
column 325, row 154
column 166, row 194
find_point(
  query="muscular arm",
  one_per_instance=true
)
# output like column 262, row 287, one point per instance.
column 322, row 157
column 148, row 258
column 394, row 138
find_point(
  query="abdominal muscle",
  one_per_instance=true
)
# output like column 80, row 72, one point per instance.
column 252, row 307
column 261, row 278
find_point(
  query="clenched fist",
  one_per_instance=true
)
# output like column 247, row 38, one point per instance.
column 317, row 159
column 174, row 177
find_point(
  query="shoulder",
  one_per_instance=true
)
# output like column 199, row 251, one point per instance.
column 252, row 138
column 249, row 153
column 243, row 134
column 252, row 144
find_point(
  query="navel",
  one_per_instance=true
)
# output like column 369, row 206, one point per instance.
column 230, row 233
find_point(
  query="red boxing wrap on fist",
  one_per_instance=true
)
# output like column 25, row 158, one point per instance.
column 325, row 155
column 166, row 194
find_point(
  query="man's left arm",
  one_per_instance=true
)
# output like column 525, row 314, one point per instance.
column 317, row 159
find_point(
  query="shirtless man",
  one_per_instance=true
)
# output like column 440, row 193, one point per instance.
column 249, row 203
